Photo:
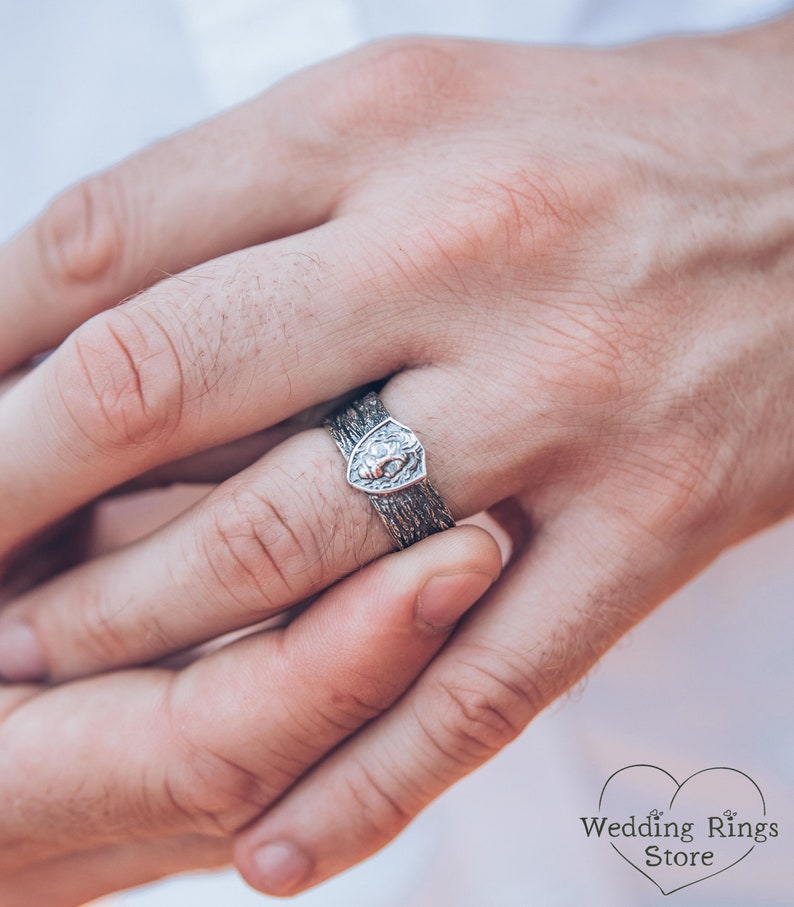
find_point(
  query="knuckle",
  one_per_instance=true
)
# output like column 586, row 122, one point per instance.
column 380, row 814
column 533, row 212
column 481, row 709
column 529, row 224
column 397, row 85
column 211, row 791
column 677, row 488
column 588, row 354
column 121, row 382
column 407, row 67
column 99, row 630
column 356, row 700
column 106, row 632
column 262, row 546
column 218, row 795
column 83, row 233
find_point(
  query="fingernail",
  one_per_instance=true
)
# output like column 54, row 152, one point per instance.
column 445, row 598
column 21, row 657
column 280, row 867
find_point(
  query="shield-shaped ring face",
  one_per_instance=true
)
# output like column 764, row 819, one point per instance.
column 386, row 459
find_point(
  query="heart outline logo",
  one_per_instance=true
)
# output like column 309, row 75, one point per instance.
column 679, row 786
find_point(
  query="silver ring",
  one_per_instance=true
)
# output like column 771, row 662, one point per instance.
column 387, row 462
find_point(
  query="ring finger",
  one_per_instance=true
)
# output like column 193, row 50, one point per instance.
column 271, row 536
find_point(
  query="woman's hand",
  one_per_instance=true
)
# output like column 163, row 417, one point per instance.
column 574, row 271
column 116, row 780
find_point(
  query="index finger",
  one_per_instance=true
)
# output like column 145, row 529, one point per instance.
column 216, row 354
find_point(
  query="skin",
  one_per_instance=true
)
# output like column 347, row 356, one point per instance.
column 155, row 769
column 573, row 271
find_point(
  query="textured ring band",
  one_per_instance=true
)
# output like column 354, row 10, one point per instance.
column 386, row 461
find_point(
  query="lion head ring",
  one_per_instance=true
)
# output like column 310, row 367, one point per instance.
column 387, row 462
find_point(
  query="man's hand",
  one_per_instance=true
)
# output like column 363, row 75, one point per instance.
column 574, row 271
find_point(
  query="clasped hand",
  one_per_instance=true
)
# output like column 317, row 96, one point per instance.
column 572, row 272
